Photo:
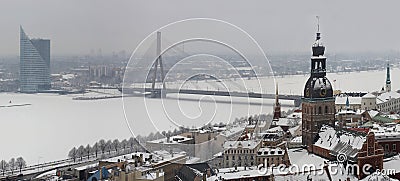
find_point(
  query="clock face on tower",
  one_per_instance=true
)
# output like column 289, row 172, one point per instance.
column 322, row 93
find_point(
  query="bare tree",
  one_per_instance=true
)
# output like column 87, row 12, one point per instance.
column 139, row 138
column 73, row 153
column 20, row 163
column 87, row 150
column 11, row 165
column 115, row 144
column 175, row 132
column 103, row 146
column 131, row 143
column 95, row 148
column 124, row 144
column 150, row 137
column 109, row 146
column 158, row 135
column 81, row 151
column 3, row 166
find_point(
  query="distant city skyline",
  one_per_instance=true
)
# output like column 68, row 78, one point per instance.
column 77, row 27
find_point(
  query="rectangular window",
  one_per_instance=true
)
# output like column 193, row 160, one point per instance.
column 394, row 148
column 386, row 147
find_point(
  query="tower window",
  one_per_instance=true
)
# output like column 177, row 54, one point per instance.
column 326, row 109
column 319, row 110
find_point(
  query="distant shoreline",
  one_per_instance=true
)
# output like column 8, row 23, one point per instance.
column 15, row 105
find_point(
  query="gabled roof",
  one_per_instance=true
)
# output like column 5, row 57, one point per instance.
column 369, row 95
column 243, row 144
column 339, row 141
column 384, row 97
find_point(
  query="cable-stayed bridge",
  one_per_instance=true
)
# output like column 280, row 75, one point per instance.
column 158, row 70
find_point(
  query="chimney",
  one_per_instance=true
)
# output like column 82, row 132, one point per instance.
column 208, row 172
column 157, row 173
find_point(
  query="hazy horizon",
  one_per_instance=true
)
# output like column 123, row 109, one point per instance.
column 78, row 27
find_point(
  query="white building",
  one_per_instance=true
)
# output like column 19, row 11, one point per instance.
column 388, row 102
column 368, row 102
column 354, row 102
column 240, row 153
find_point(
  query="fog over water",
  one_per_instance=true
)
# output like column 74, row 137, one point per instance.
column 53, row 124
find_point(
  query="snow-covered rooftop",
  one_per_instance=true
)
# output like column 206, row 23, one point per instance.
column 172, row 139
column 295, row 115
column 340, row 141
column 388, row 132
column 268, row 151
column 251, row 144
column 285, row 122
column 369, row 95
column 341, row 100
column 384, row 97
column 373, row 113
column 297, row 139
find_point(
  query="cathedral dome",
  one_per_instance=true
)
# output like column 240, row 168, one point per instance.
column 318, row 88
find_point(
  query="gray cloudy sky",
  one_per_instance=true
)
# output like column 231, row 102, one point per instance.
column 76, row 26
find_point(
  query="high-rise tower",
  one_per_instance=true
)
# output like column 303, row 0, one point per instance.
column 388, row 82
column 34, row 64
column 318, row 107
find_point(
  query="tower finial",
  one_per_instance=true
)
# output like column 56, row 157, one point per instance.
column 317, row 23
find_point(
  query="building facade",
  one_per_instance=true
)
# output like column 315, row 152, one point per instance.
column 318, row 107
column 368, row 102
column 34, row 64
column 240, row 153
column 371, row 153
column 272, row 157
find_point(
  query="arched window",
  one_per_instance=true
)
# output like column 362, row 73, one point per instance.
column 319, row 110
column 326, row 109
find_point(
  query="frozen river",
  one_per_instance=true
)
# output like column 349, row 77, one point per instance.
column 48, row 128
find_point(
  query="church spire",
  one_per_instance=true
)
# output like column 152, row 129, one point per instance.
column 388, row 82
column 277, row 95
column 277, row 105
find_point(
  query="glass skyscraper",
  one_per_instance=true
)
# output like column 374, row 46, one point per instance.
column 34, row 64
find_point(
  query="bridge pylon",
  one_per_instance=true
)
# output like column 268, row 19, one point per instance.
column 158, row 93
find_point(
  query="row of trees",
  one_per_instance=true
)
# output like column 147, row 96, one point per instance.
column 12, row 165
column 103, row 146
column 133, row 144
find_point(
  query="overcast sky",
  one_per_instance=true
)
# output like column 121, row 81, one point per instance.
column 77, row 26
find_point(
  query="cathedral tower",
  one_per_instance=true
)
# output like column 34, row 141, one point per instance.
column 318, row 107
